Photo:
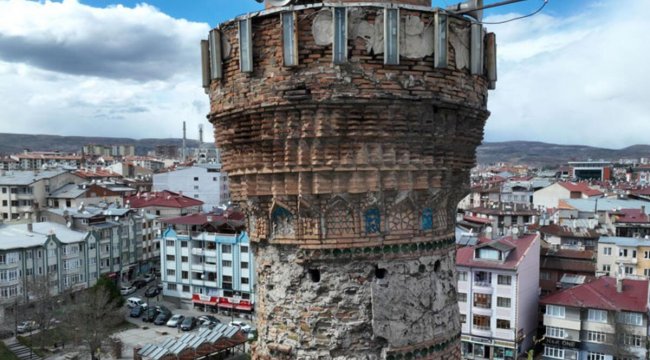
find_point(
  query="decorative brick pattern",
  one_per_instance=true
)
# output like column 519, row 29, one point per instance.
column 350, row 175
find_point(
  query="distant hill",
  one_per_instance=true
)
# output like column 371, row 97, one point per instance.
column 540, row 154
column 17, row 143
column 522, row 152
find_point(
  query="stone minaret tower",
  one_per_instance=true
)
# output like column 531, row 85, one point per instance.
column 348, row 130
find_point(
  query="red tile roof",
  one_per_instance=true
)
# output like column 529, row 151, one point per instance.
column 631, row 216
column 580, row 187
column 465, row 256
column 601, row 294
column 568, row 253
column 476, row 219
column 164, row 198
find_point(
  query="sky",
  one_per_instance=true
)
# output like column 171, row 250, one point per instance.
column 575, row 73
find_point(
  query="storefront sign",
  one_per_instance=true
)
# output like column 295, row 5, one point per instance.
column 562, row 343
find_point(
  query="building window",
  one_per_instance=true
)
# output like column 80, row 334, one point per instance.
column 463, row 318
column 226, row 249
column 196, row 178
column 289, row 38
column 184, row 275
column 482, row 300
column 544, row 275
column 504, row 280
column 595, row 336
column 481, row 322
column 184, row 259
column 226, row 263
column 646, row 254
column 243, row 249
column 555, row 332
column 629, row 270
column 427, row 219
column 391, row 36
column 183, row 244
column 462, row 297
column 553, row 352
column 171, row 272
column 503, row 302
column 244, row 265
column 630, row 318
column 607, row 268
column 597, row 315
column 171, row 258
column 340, row 44
column 171, row 287
column 607, row 251
column 555, row 311
column 244, row 281
column 170, row 243
column 632, row 340
column 622, row 252
column 196, row 187
column 595, row 356
column 646, row 272
column 462, row 276
column 503, row 324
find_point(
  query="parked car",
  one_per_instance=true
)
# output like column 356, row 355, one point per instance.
column 152, row 291
column 139, row 283
column 242, row 325
column 175, row 320
column 26, row 326
column 162, row 318
column 127, row 289
column 150, row 314
column 189, row 323
column 208, row 318
column 138, row 310
column 133, row 302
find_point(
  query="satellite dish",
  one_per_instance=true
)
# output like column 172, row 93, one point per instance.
column 117, row 218
column 68, row 224
column 280, row 2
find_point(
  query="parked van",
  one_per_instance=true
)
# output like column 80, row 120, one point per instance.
column 133, row 302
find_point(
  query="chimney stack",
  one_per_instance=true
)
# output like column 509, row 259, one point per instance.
column 619, row 285
column 30, row 227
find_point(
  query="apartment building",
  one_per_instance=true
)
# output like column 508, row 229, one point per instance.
column 497, row 296
column 38, row 160
column 69, row 255
column 567, row 237
column 605, row 319
column 23, row 194
column 204, row 182
column 562, row 268
column 164, row 203
column 206, row 261
column 503, row 218
column 624, row 256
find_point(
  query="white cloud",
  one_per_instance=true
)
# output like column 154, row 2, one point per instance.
column 115, row 71
column 579, row 80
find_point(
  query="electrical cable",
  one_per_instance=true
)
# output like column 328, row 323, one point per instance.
column 516, row 18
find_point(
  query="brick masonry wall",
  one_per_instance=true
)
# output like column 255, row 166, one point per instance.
column 351, row 172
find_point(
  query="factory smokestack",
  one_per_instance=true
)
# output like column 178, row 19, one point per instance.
column 184, row 151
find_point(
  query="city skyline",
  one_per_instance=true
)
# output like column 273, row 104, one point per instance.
column 565, row 76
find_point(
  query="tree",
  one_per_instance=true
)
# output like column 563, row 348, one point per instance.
column 94, row 316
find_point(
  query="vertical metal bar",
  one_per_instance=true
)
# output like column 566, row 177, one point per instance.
column 205, row 63
column 391, row 36
column 245, row 46
column 340, row 44
column 440, row 39
column 491, row 59
column 216, row 65
column 476, row 49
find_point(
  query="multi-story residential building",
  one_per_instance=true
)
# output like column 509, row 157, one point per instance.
column 164, row 203
column 23, row 193
column 9, row 163
column 604, row 319
column 591, row 170
column 146, row 162
column 561, row 268
column 109, row 150
column 70, row 252
column 566, row 237
column 206, row 261
column 624, row 256
column 42, row 159
column 630, row 222
column 75, row 195
column 550, row 196
column 205, row 182
column 497, row 296
column 503, row 218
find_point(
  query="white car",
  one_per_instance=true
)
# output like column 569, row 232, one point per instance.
column 242, row 325
column 149, row 278
column 176, row 320
column 127, row 290
column 26, row 326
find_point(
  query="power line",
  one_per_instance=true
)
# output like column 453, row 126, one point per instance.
column 519, row 17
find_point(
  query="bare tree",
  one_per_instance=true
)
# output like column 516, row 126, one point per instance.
column 92, row 318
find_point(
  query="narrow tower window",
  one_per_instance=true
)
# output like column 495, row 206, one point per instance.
column 391, row 36
column 216, row 69
column 314, row 275
column 289, row 39
column 476, row 49
column 340, row 46
column 440, row 41
column 245, row 46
